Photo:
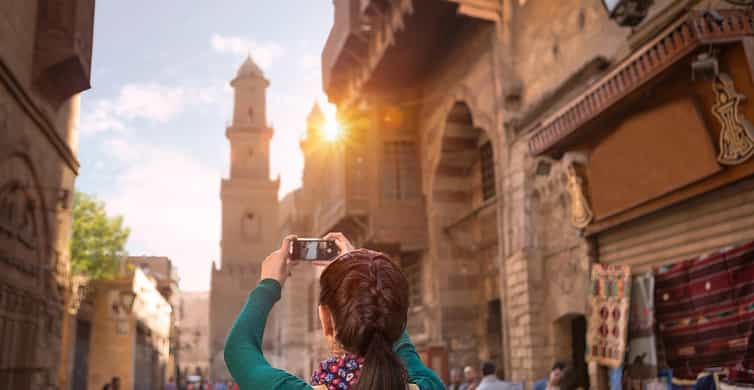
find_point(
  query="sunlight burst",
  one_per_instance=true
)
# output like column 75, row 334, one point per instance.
column 333, row 129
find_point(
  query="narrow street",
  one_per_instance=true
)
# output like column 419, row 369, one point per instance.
column 377, row 194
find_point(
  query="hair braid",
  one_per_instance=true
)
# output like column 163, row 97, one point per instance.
column 368, row 297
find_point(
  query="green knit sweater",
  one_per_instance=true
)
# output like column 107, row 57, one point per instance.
column 243, row 349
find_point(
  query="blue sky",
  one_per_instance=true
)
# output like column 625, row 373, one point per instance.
column 152, row 143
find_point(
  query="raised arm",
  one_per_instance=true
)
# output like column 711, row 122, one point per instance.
column 418, row 373
column 243, row 348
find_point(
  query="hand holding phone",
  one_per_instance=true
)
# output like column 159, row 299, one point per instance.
column 313, row 249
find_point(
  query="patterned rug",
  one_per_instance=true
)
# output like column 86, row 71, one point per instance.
column 608, row 318
column 704, row 309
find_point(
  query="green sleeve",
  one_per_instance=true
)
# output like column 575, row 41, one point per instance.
column 418, row 373
column 243, row 348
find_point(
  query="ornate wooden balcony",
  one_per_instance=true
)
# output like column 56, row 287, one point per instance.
column 366, row 32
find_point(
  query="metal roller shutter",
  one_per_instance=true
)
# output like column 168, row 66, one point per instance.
column 700, row 225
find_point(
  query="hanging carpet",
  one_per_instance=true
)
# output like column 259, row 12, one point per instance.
column 704, row 310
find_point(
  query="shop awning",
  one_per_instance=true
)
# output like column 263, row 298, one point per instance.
column 695, row 30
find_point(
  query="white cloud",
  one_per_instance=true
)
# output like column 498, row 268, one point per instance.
column 150, row 101
column 171, row 203
column 100, row 118
column 264, row 53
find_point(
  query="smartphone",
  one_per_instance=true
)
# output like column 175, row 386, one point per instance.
column 313, row 249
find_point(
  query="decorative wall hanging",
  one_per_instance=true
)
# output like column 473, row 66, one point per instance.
column 736, row 133
column 581, row 213
column 609, row 300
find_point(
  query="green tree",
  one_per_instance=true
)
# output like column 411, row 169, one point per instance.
column 98, row 242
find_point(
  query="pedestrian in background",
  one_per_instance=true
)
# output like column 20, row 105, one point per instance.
column 170, row 385
column 455, row 379
column 471, row 378
column 220, row 385
column 490, row 381
column 553, row 382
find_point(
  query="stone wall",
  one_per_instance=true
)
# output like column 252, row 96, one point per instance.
column 553, row 40
column 462, row 262
column 37, row 170
column 548, row 46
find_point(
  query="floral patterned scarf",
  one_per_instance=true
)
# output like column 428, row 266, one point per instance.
column 338, row 373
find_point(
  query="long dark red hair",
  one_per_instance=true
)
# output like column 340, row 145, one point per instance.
column 367, row 294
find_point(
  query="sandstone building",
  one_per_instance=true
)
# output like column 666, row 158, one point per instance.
column 165, row 275
column 536, row 139
column 249, row 206
column 502, row 151
column 130, row 333
column 45, row 59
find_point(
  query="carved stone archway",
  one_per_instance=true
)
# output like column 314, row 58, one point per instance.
column 30, row 303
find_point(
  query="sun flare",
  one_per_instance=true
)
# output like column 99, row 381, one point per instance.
column 333, row 129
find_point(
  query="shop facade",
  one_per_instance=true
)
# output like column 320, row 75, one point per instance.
column 504, row 152
column 660, row 177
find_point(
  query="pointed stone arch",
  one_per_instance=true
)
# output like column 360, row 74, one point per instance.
column 463, row 224
column 480, row 117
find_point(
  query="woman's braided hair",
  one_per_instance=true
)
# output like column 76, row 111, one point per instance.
column 367, row 294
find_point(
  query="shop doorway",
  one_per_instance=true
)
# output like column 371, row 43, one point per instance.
column 495, row 335
column 570, row 346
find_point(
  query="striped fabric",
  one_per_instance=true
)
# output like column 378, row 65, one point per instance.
column 705, row 310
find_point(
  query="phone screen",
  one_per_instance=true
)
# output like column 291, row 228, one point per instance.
column 311, row 250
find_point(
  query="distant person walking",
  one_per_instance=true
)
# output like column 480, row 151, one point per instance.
column 490, row 381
